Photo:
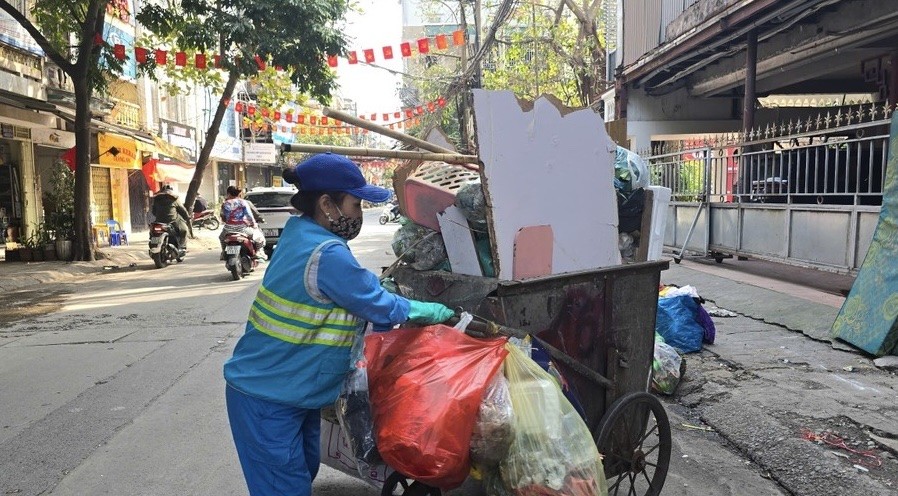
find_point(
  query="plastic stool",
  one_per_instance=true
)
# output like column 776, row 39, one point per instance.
column 117, row 235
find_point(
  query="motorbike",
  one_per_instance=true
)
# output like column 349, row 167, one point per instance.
column 390, row 213
column 164, row 247
column 206, row 219
column 240, row 255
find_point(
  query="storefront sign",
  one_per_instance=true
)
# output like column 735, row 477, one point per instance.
column 179, row 135
column 13, row 33
column 115, row 36
column 228, row 148
column 52, row 137
column 126, row 156
column 259, row 153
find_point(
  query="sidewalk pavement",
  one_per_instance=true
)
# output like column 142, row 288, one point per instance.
column 759, row 290
column 16, row 276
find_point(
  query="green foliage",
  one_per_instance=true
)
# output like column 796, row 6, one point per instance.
column 59, row 20
column 292, row 34
column 61, row 200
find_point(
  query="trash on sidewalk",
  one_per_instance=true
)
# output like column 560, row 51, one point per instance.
column 721, row 312
column 682, row 321
column 667, row 367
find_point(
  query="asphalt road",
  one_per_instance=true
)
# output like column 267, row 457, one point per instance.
column 118, row 390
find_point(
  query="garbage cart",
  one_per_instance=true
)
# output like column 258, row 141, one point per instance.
column 598, row 326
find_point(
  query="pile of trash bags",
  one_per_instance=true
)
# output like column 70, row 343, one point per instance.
column 422, row 248
column 682, row 321
column 443, row 406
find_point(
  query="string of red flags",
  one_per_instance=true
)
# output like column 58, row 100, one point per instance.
column 421, row 46
column 291, row 121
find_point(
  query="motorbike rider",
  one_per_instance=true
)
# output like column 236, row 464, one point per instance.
column 168, row 209
column 200, row 205
column 239, row 216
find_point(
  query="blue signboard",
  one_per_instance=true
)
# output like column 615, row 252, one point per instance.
column 115, row 36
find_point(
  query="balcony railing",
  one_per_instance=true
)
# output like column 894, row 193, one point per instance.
column 125, row 114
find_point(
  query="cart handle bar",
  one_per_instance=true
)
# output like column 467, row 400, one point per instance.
column 483, row 328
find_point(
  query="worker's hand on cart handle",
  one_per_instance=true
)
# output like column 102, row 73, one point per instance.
column 423, row 312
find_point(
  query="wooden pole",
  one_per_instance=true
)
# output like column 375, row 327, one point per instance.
column 376, row 128
column 452, row 158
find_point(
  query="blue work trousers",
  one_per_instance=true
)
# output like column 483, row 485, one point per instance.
column 278, row 445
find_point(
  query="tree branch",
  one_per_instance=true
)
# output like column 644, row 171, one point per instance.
column 93, row 24
column 39, row 37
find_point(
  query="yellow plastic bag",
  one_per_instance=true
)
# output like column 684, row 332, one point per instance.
column 552, row 453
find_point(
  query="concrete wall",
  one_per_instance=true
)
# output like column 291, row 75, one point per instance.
column 676, row 113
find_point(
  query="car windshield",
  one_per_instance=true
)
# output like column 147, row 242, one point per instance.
column 270, row 199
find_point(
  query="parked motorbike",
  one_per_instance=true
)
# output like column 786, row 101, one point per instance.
column 240, row 255
column 206, row 219
column 390, row 213
column 164, row 247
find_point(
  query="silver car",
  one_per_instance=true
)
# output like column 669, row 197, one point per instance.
column 274, row 205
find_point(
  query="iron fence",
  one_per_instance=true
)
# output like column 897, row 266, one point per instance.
column 808, row 164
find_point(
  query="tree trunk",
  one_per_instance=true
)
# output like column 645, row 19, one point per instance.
column 83, row 245
column 211, row 136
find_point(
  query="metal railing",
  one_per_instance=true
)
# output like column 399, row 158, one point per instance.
column 815, row 164
column 125, row 114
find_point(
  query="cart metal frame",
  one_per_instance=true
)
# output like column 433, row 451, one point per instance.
column 599, row 328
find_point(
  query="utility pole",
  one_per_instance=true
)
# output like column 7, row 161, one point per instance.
column 478, row 73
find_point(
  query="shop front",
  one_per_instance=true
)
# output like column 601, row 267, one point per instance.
column 118, row 158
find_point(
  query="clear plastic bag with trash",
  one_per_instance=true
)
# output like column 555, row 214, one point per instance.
column 553, row 451
column 422, row 248
column 471, row 201
column 494, row 429
column 666, row 367
column 630, row 171
column 354, row 414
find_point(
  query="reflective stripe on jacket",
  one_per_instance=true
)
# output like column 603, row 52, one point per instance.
column 296, row 346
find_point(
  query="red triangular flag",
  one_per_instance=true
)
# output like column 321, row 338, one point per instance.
column 353, row 58
column 373, row 117
column 180, row 59
column 289, row 117
column 430, row 106
column 161, row 57
column 441, row 102
column 406, row 49
column 199, row 60
column 408, row 113
column 119, row 51
column 442, row 41
column 423, row 45
column 301, row 118
column 238, row 107
column 332, row 60
column 313, row 120
column 323, row 120
column 386, row 116
column 369, row 55
column 458, row 37
column 216, row 61
column 419, row 110
column 260, row 63
column 397, row 115
column 251, row 110
column 140, row 54
column 388, row 52
column 98, row 39
column 277, row 115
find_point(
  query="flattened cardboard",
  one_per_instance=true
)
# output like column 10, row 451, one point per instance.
column 545, row 164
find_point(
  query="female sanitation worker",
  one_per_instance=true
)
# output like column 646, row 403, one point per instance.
column 312, row 303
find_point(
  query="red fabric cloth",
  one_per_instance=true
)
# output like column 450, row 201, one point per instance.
column 69, row 157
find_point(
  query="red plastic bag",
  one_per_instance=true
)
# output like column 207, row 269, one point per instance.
column 426, row 386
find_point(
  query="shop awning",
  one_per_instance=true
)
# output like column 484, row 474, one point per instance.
column 166, row 171
column 170, row 150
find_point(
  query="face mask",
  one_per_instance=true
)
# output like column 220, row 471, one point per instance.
column 345, row 227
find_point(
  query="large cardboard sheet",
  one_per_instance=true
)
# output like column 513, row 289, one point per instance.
column 544, row 164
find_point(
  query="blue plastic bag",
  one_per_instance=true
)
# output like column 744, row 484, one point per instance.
column 677, row 322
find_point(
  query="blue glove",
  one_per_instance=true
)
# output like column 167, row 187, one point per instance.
column 422, row 312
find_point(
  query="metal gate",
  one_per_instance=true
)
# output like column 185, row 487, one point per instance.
column 806, row 192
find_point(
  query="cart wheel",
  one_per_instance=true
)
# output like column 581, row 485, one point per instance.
column 400, row 485
column 634, row 438
column 677, row 260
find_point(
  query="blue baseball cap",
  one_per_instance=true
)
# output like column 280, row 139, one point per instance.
column 332, row 172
